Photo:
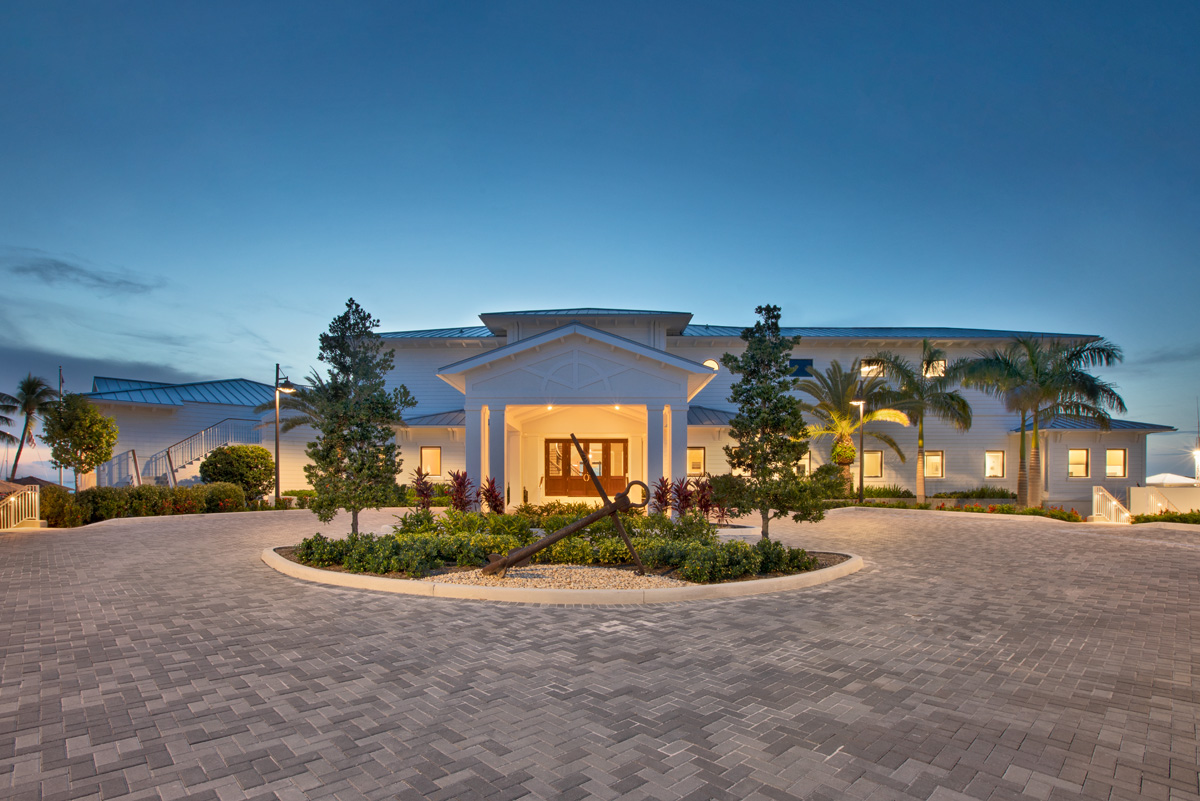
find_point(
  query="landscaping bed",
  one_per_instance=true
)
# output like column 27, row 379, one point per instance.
column 687, row 549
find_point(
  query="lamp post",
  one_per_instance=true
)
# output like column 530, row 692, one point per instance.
column 861, row 404
column 289, row 388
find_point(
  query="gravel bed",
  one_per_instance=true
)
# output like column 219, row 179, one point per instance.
column 561, row 577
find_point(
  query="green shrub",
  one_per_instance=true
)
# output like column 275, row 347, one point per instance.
column 320, row 551
column 58, row 508
column 187, row 500
column 887, row 491
column 149, row 500
column 224, row 497
column 979, row 492
column 1162, row 517
column 250, row 467
column 102, row 503
column 418, row 520
column 724, row 562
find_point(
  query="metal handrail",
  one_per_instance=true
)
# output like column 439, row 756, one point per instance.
column 22, row 505
column 1106, row 507
column 1159, row 502
column 230, row 431
column 112, row 474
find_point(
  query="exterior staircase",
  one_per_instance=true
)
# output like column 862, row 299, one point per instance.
column 22, row 509
column 1106, row 508
column 164, row 466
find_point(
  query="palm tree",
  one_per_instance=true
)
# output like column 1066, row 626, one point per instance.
column 8, row 405
column 1042, row 379
column 924, row 389
column 301, row 403
column 33, row 393
column 836, row 415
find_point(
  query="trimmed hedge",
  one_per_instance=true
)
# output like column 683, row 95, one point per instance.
column 421, row 544
column 1056, row 512
column 1169, row 517
column 60, row 509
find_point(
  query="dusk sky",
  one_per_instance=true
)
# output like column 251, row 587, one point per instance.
column 192, row 190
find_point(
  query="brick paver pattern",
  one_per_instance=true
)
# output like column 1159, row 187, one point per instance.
column 974, row 656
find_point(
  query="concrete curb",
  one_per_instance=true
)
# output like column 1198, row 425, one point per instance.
column 737, row 589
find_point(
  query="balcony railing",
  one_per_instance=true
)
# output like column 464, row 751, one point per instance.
column 230, row 431
column 22, row 505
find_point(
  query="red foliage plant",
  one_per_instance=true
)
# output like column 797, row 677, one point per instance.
column 682, row 495
column 660, row 496
column 423, row 488
column 491, row 497
column 462, row 491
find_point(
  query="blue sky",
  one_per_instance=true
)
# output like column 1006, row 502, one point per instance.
column 192, row 190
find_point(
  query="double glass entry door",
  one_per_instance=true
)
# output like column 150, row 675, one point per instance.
column 565, row 474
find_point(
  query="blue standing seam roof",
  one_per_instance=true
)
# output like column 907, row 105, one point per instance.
column 697, row 416
column 230, row 392
column 105, row 384
column 1085, row 424
column 583, row 312
column 731, row 331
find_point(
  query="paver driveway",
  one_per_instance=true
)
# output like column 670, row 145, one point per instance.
column 973, row 656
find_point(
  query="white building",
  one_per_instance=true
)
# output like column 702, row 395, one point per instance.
column 644, row 391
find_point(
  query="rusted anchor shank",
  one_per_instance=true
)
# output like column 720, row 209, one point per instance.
column 517, row 556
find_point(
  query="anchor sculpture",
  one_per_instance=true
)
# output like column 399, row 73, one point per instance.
column 498, row 564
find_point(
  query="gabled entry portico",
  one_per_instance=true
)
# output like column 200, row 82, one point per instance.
column 628, row 397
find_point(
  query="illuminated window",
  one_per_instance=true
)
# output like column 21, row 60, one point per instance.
column 695, row 457
column 935, row 369
column 431, row 461
column 1114, row 463
column 993, row 464
column 870, row 367
column 800, row 367
column 935, row 465
column 804, row 466
column 1077, row 462
column 872, row 464
column 711, row 364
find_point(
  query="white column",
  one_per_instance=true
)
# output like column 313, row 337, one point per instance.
column 678, row 442
column 496, row 446
column 654, row 445
column 474, row 442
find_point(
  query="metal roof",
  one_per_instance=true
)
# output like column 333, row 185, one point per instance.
column 704, row 416
column 583, row 312
column 455, row 418
column 467, row 332
column 1085, row 424
column 231, row 391
column 697, row 416
column 105, row 384
column 880, row 333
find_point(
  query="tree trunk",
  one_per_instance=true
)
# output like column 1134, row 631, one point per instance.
column 766, row 523
column 20, row 447
column 920, row 474
column 1022, row 471
column 1035, row 468
column 354, row 522
column 920, row 460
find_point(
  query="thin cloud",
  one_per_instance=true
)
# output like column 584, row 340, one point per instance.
column 53, row 271
column 1175, row 355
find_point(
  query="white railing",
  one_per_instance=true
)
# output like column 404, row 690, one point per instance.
column 230, row 431
column 1106, row 507
column 1160, row 503
column 22, row 505
column 119, row 471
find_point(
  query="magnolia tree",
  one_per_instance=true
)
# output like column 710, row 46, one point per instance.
column 80, row 437
column 355, row 458
column 770, row 433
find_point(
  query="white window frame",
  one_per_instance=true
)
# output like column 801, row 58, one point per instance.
column 437, row 448
column 1087, row 462
column 941, row 464
column 1124, row 463
column 805, row 464
column 703, row 460
column 869, row 368
column 936, row 369
column 867, row 465
column 1003, row 464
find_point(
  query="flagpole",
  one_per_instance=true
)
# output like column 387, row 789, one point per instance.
column 60, row 477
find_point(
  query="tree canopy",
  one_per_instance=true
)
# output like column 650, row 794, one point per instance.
column 79, row 436
column 355, row 457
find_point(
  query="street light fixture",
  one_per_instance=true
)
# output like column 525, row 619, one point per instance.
column 861, row 404
column 289, row 388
